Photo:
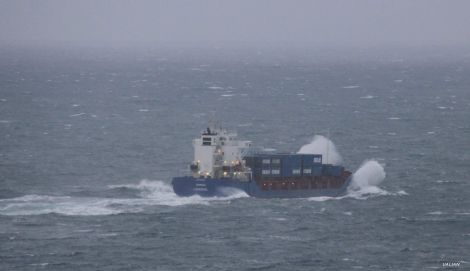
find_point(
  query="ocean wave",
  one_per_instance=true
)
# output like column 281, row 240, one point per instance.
column 365, row 183
column 152, row 193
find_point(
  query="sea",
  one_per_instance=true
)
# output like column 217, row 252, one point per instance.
column 90, row 139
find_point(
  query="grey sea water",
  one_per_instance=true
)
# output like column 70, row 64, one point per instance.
column 91, row 138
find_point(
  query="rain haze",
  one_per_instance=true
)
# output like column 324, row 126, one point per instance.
column 204, row 23
column 350, row 144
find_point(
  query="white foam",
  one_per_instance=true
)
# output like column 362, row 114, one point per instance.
column 153, row 193
column 39, row 264
column 351, row 87
column 366, row 179
column 436, row 213
column 269, row 149
column 76, row 115
column 322, row 198
column 279, row 219
column 324, row 146
column 367, row 97
column 215, row 87
column 245, row 124
column 394, row 118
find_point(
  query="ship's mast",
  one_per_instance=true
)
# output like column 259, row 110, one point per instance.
column 328, row 145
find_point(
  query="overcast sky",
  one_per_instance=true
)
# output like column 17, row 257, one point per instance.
column 217, row 22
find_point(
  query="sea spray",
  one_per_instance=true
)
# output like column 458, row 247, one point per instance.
column 152, row 193
column 366, row 179
column 324, row 146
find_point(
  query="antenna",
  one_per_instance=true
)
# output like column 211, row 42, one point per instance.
column 328, row 145
column 213, row 121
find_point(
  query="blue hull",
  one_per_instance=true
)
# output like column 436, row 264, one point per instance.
column 189, row 186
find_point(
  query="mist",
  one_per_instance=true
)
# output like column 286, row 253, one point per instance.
column 211, row 23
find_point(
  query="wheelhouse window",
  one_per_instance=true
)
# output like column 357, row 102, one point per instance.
column 206, row 141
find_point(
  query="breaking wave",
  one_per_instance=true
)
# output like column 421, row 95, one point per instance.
column 151, row 193
column 324, row 146
column 365, row 183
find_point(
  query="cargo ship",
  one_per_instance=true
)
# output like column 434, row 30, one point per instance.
column 223, row 163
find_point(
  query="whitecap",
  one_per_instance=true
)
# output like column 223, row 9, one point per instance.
column 215, row 88
column 322, row 198
column 279, row 219
column 245, row 124
column 76, row 115
column 435, row 213
column 39, row 264
column 152, row 193
column 351, row 87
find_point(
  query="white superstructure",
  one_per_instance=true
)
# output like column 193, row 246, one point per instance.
column 218, row 153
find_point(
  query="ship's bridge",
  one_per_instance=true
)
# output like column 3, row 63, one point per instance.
column 215, row 151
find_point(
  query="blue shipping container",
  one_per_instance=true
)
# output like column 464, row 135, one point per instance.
column 317, row 170
column 291, row 165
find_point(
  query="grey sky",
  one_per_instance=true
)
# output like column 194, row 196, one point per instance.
column 217, row 22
